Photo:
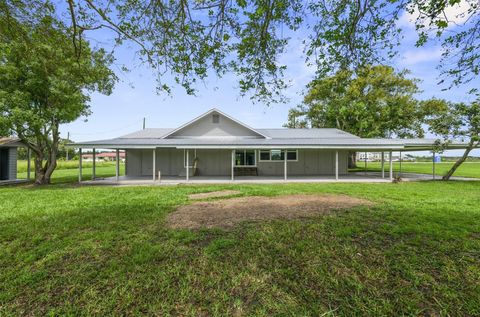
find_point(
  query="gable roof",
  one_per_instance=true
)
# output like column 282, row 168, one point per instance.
column 148, row 133
column 283, row 138
column 11, row 142
column 212, row 111
column 323, row 133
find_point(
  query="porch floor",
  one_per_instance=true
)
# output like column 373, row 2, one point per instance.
column 355, row 177
column 13, row 181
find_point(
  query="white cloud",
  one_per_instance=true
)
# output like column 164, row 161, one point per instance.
column 419, row 56
column 456, row 15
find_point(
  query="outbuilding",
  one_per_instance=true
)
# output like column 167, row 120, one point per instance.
column 8, row 159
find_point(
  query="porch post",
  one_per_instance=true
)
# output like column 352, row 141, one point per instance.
column 285, row 165
column 188, row 166
column 400, row 168
column 391, row 166
column 93, row 164
column 233, row 165
column 365, row 163
column 117, row 164
column 383, row 164
column 336, row 165
column 153, row 165
column 433, row 165
column 79, row 165
column 28, row 163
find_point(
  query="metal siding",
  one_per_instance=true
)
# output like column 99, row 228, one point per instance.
column 310, row 162
column 205, row 127
column 218, row 163
column 134, row 163
column 12, row 162
column 214, row 162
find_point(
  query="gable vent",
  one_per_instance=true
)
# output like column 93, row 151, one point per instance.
column 216, row 118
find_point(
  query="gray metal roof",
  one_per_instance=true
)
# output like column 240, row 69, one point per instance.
column 327, row 138
column 340, row 142
column 259, row 143
column 306, row 133
column 150, row 133
column 282, row 133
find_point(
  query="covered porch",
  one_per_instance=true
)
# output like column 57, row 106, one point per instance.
column 352, row 177
column 288, row 165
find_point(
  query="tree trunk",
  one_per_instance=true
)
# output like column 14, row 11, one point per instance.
column 459, row 162
column 352, row 159
column 39, row 170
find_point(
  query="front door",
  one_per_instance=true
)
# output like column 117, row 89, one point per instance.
column 4, row 164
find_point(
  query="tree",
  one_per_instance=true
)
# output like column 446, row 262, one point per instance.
column 456, row 121
column 193, row 39
column 372, row 102
column 45, row 83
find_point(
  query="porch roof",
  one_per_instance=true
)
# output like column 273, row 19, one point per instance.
column 297, row 143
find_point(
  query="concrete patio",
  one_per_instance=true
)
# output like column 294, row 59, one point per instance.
column 354, row 177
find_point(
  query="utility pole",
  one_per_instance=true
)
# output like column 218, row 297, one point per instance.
column 68, row 140
column 143, row 123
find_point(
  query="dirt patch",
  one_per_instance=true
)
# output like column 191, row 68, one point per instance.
column 229, row 212
column 220, row 193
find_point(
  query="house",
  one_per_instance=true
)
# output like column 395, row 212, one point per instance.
column 103, row 156
column 218, row 146
column 8, row 159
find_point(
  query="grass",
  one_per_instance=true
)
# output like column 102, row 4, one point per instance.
column 98, row 250
column 67, row 171
column 467, row 169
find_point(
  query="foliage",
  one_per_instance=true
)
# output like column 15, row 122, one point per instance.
column 195, row 39
column 101, row 250
column 457, row 122
column 45, row 83
column 374, row 101
column 470, row 169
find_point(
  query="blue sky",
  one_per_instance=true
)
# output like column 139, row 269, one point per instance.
column 135, row 97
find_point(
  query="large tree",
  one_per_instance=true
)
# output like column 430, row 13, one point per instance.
column 371, row 102
column 456, row 122
column 45, row 83
column 193, row 39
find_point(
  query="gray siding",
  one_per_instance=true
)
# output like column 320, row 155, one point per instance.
column 205, row 127
column 309, row 162
column 168, row 161
column 12, row 162
column 218, row 163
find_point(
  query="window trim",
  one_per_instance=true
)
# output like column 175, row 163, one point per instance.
column 245, row 153
column 270, row 156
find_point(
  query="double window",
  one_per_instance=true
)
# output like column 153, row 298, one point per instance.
column 245, row 158
column 277, row 155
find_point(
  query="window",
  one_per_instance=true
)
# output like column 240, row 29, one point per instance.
column 292, row 155
column 216, row 118
column 264, row 155
column 278, row 155
column 245, row 158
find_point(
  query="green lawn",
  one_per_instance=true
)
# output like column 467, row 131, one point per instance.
column 98, row 250
column 467, row 169
column 67, row 171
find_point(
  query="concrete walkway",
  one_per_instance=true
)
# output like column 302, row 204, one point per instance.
column 356, row 177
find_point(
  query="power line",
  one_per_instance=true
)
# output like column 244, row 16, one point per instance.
column 108, row 131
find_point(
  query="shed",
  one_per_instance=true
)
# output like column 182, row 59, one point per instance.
column 8, row 158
